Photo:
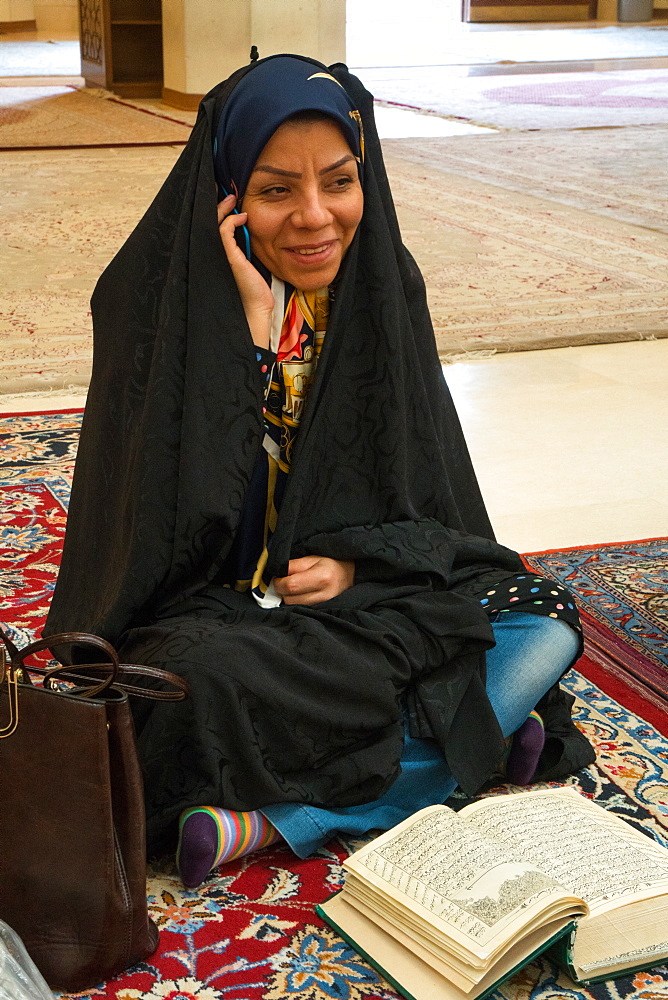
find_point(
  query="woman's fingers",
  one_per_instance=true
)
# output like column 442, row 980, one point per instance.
column 306, row 562
column 305, row 576
column 227, row 226
column 313, row 579
column 225, row 206
column 316, row 597
column 256, row 295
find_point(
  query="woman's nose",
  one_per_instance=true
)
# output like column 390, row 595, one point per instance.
column 312, row 211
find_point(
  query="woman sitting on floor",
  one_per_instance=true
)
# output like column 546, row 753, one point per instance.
column 273, row 498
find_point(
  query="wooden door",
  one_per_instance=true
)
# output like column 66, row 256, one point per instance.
column 528, row 10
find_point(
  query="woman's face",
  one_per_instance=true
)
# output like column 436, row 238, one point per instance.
column 304, row 202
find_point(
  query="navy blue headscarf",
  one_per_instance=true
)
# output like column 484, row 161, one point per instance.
column 277, row 88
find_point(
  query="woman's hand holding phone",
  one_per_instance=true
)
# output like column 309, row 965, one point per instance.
column 256, row 295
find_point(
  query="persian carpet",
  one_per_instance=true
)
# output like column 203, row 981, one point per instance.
column 622, row 174
column 251, row 932
column 529, row 101
column 65, row 214
column 67, row 118
column 509, row 271
column 622, row 589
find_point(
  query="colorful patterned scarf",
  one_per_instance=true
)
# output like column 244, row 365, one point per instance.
column 296, row 340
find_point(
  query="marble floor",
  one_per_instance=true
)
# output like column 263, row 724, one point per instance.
column 432, row 38
column 570, row 445
column 379, row 34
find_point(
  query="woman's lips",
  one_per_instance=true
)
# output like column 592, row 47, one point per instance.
column 312, row 253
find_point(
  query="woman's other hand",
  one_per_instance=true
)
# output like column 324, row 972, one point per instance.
column 256, row 296
column 313, row 579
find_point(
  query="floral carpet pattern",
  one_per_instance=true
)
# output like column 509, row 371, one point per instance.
column 36, row 464
column 623, row 591
column 623, row 585
column 251, row 932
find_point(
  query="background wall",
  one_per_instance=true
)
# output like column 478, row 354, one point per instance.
column 16, row 10
column 60, row 17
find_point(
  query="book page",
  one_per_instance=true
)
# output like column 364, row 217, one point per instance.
column 593, row 853
column 458, row 972
column 460, row 882
column 623, row 938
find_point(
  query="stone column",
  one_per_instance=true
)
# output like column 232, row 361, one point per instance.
column 203, row 41
column 17, row 15
column 206, row 40
column 314, row 28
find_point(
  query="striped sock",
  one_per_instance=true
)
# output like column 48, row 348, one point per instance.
column 525, row 749
column 209, row 836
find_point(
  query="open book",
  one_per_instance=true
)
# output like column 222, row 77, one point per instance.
column 448, row 905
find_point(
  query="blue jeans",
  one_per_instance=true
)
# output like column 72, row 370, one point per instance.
column 530, row 655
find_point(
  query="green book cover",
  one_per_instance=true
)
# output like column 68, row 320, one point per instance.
column 404, row 987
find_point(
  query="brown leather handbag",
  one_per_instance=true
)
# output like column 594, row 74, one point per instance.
column 72, row 825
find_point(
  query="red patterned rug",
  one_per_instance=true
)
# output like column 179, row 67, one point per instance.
column 622, row 589
column 251, row 932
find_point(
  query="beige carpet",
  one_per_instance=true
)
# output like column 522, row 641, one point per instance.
column 621, row 173
column 505, row 270
column 508, row 271
column 65, row 213
column 57, row 117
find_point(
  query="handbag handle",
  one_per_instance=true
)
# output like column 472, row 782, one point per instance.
column 110, row 672
column 69, row 638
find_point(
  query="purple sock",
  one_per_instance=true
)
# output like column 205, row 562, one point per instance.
column 525, row 749
column 198, row 848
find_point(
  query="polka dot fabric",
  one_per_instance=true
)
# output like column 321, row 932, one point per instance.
column 529, row 593
column 265, row 359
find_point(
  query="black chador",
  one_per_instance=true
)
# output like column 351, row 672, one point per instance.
column 289, row 704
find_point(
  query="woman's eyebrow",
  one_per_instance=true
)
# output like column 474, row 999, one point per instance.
column 339, row 163
column 266, row 169
column 275, row 170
